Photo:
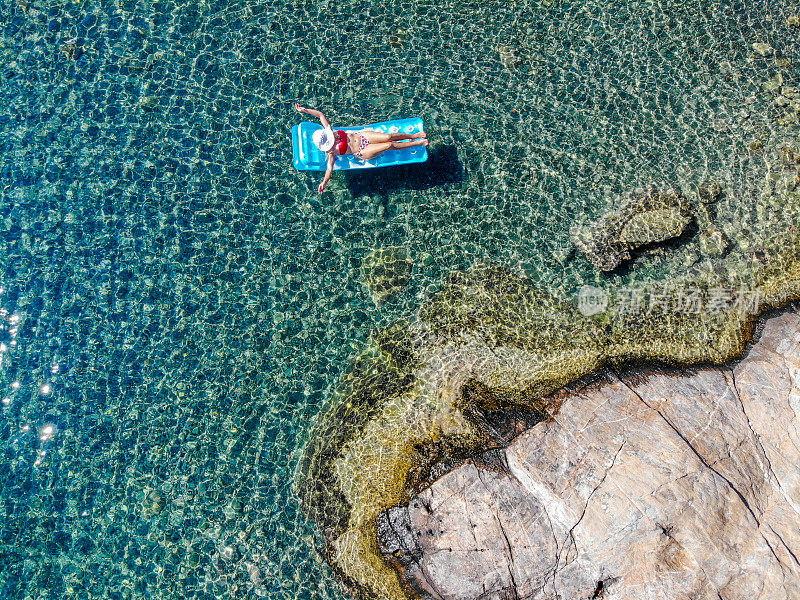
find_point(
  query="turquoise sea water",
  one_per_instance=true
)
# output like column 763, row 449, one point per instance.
column 177, row 303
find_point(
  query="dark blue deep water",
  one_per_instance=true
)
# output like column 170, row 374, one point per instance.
column 177, row 303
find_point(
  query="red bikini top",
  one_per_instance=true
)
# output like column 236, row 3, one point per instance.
column 342, row 142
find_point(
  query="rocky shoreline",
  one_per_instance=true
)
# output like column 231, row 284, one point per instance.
column 422, row 393
column 641, row 484
column 692, row 262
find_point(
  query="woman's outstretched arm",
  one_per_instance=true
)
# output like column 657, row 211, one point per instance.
column 313, row 113
column 328, row 173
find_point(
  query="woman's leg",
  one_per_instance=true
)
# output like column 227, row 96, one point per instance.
column 374, row 150
column 375, row 137
column 407, row 136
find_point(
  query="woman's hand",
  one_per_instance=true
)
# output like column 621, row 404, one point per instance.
column 299, row 108
column 321, row 188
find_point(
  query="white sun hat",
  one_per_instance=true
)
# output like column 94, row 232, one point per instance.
column 323, row 139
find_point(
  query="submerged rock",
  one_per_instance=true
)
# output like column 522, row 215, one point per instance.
column 713, row 242
column 789, row 157
column 386, row 271
column 709, row 192
column 763, row 49
column 782, row 102
column 398, row 39
column 153, row 503
column 642, row 485
column 642, row 217
column 509, row 57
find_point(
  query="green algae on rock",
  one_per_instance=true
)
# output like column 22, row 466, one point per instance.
column 640, row 217
column 383, row 369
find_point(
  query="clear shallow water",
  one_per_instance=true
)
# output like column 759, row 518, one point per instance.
column 178, row 302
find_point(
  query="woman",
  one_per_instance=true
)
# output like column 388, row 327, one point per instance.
column 365, row 144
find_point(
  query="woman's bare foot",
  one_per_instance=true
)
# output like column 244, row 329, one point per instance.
column 420, row 135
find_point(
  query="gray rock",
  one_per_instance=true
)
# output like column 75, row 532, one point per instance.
column 642, row 217
column 396, row 537
column 643, row 485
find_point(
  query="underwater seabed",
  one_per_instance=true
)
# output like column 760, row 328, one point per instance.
column 426, row 393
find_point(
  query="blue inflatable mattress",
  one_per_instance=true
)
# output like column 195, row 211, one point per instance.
column 307, row 157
